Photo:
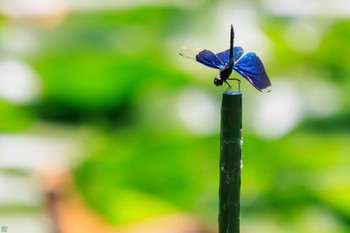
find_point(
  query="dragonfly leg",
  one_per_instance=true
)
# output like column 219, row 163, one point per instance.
column 228, row 86
column 239, row 83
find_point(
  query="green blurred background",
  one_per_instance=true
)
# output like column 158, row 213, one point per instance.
column 95, row 91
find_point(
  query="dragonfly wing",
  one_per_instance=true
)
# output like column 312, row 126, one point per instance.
column 225, row 55
column 251, row 67
column 203, row 56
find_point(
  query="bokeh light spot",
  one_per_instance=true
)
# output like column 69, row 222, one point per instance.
column 18, row 82
column 198, row 111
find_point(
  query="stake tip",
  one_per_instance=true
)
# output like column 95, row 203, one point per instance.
column 232, row 93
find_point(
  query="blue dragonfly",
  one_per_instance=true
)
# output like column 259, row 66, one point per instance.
column 249, row 66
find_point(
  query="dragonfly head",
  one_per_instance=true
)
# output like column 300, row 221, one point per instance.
column 218, row 81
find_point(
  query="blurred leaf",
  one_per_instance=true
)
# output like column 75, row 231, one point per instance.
column 167, row 173
column 13, row 118
column 98, row 62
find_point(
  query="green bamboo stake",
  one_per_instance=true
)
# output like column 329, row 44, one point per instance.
column 230, row 162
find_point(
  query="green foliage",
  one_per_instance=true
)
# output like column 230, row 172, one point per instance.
column 113, row 77
column 157, row 171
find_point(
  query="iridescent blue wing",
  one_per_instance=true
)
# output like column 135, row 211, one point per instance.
column 225, row 55
column 203, row 56
column 251, row 67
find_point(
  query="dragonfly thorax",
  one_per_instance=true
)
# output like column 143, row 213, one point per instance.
column 224, row 74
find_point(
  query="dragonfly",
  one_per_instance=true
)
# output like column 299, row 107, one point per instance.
column 248, row 66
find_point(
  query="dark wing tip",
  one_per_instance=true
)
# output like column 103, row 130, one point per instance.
column 266, row 89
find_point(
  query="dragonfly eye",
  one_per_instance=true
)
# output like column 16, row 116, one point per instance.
column 218, row 81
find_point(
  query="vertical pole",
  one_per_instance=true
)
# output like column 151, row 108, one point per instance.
column 230, row 162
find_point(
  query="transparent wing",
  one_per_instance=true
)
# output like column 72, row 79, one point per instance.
column 251, row 67
column 203, row 56
column 225, row 55
column 188, row 52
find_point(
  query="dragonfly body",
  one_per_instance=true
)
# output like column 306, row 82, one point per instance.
column 248, row 66
column 224, row 74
